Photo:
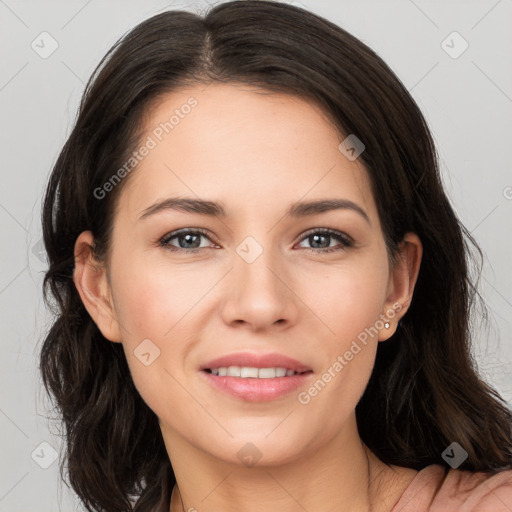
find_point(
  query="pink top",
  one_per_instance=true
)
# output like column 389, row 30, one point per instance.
column 440, row 489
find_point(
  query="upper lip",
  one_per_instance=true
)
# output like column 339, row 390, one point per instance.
column 254, row 360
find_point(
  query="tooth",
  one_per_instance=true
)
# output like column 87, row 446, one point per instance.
column 248, row 372
column 252, row 372
column 267, row 373
column 234, row 371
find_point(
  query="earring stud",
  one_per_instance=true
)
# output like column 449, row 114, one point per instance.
column 386, row 325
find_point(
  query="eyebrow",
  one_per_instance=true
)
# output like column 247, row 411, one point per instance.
column 214, row 209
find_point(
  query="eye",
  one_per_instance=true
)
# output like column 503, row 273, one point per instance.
column 188, row 240
column 321, row 240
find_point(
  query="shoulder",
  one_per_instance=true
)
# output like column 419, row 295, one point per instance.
column 440, row 489
column 480, row 491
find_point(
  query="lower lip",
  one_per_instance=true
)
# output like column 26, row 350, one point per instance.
column 257, row 390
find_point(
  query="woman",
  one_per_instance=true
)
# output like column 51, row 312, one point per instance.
column 263, row 293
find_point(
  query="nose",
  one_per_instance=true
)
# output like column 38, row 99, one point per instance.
column 259, row 294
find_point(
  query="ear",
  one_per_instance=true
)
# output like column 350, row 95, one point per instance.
column 90, row 278
column 402, row 280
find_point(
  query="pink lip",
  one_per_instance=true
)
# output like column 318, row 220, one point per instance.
column 257, row 390
column 252, row 389
column 252, row 360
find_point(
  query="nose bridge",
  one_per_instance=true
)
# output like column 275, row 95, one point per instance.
column 255, row 267
column 258, row 295
column 260, row 275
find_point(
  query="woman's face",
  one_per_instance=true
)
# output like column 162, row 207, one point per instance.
column 261, row 278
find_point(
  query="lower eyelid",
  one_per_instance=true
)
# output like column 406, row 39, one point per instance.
column 339, row 236
column 165, row 240
column 344, row 241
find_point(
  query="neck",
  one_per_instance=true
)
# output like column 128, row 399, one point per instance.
column 342, row 475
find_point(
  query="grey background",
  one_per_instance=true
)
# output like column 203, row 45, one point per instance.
column 467, row 101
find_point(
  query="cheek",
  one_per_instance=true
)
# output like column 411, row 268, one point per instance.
column 348, row 303
column 345, row 299
column 151, row 304
column 159, row 306
column 150, row 299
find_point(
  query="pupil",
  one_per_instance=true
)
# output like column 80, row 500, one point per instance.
column 316, row 237
column 187, row 238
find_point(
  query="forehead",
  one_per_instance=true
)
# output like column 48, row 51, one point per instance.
column 246, row 147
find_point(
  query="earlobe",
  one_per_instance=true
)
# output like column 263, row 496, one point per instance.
column 90, row 278
column 402, row 282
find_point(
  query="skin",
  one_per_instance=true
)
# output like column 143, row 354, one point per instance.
column 256, row 153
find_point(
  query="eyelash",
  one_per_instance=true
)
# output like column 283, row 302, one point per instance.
column 345, row 240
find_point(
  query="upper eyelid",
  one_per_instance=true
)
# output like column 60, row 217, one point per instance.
column 184, row 231
column 207, row 234
column 329, row 231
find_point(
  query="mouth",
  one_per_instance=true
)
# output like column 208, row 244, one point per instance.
column 248, row 372
column 256, row 377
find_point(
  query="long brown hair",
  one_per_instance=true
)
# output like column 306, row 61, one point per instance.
column 424, row 392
